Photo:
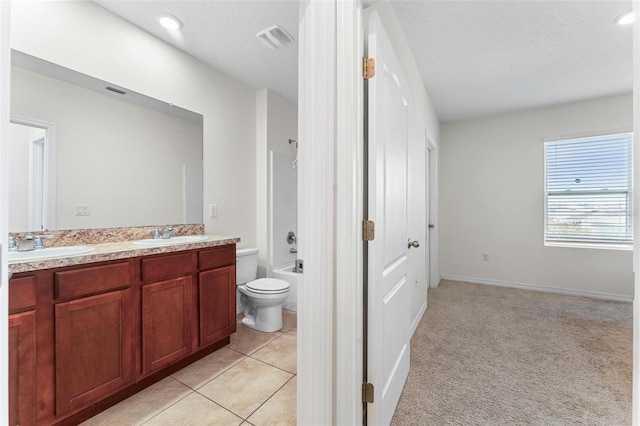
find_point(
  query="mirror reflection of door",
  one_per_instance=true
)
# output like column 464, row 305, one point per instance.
column 28, row 185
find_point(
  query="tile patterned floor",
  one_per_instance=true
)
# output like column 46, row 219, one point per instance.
column 251, row 381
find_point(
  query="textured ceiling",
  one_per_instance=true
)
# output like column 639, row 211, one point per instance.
column 222, row 33
column 481, row 58
column 477, row 58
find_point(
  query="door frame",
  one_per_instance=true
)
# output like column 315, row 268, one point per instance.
column 5, row 72
column 432, row 148
column 427, row 204
column 330, row 180
column 349, row 213
column 316, row 206
column 636, row 236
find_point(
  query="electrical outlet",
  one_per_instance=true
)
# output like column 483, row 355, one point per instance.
column 485, row 257
column 213, row 210
column 83, row 210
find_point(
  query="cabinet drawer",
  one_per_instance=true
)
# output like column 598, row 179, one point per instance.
column 164, row 267
column 96, row 279
column 217, row 257
column 22, row 293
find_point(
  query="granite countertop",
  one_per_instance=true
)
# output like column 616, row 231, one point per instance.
column 117, row 250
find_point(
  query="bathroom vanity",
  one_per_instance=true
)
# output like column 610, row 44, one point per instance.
column 86, row 333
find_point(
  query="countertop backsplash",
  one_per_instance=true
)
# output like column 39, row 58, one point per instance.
column 76, row 237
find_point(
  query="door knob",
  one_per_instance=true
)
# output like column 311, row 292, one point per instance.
column 431, row 226
column 413, row 244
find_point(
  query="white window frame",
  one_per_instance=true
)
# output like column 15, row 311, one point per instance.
column 630, row 205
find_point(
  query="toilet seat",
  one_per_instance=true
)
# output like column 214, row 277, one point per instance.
column 267, row 286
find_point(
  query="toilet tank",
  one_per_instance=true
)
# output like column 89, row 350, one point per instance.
column 246, row 265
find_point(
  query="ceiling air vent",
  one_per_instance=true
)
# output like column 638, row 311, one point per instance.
column 115, row 89
column 275, row 37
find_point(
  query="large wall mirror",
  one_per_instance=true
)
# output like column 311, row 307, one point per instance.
column 85, row 153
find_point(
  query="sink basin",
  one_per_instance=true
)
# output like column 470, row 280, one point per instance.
column 173, row 240
column 47, row 253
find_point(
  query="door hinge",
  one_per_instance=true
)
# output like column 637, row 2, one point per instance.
column 368, row 230
column 368, row 68
column 367, row 392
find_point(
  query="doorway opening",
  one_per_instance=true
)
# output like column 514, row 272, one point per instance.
column 32, row 174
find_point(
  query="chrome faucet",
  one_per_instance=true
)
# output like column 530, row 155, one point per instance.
column 26, row 244
column 156, row 234
column 37, row 241
column 13, row 246
column 29, row 242
column 167, row 233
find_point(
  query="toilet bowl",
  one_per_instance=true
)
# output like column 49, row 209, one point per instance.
column 262, row 298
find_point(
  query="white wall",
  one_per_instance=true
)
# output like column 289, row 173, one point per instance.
column 282, row 124
column 86, row 38
column 423, row 120
column 492, row 200
column 124, row 161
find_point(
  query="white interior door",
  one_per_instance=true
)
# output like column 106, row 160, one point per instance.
column 387, row 288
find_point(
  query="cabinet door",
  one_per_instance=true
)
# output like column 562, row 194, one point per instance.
column 166, row 322
column 217, row 290
column 22, row 368
column 93, row 349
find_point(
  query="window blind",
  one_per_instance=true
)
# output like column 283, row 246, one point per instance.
column 588, row 190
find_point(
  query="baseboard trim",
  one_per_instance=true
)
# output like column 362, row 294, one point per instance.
column 540, row 287
column 417, row 319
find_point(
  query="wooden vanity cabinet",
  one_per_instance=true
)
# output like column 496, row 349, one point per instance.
column 82, row 338
column 22, row 351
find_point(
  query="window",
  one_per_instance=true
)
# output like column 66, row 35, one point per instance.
column 588, row 184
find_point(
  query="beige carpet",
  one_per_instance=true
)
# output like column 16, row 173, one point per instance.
column 485, row 355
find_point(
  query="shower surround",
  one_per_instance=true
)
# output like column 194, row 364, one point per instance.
column 283, row 217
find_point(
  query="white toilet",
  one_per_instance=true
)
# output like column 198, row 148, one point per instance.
column 262, row 298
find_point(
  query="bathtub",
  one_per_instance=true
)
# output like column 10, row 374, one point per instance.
column 294, row 279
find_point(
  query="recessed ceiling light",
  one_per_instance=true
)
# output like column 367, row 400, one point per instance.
column 627, row 18
column 170, row 22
